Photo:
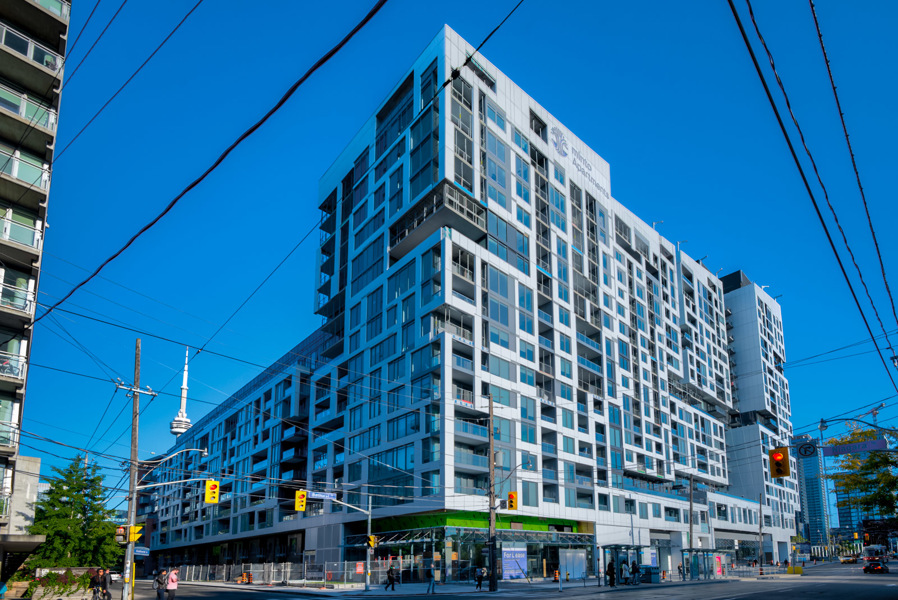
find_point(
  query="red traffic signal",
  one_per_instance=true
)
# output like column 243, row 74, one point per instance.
column 778, row 456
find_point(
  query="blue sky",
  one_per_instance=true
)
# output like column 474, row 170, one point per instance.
column 664, row 91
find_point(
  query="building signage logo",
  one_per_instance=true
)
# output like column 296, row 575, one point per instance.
column 580, row 163
column 558, row 141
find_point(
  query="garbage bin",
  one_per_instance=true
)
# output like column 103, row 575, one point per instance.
column 650, row 573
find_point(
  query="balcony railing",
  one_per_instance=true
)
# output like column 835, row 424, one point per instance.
column 21, row 44
column 17, row 298
column 9, row 433
column 24, row 167
column 19, row 104
column 471, row 428
column 463, row 272
column 466, row 396
column 12, row 230
column 462, row 362
column 548, row 448
column 469, row 458
column 463, row 489
column 12, row 365
column 544, row 316
column 60, row 8
column 589, row 342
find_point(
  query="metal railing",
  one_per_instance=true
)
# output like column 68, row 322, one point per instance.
column 22, row 44
column 12, row 365
column 60, row 8
column 9, row 433
column 19, row 104
column 24, row 167
column 17, row 298
column 12, row 230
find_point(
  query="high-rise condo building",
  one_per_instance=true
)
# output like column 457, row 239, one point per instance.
column 32, row 55
column 472, row 254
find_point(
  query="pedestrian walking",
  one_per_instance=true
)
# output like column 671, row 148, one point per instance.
column 611, row 572
column 680, row 571
column 624, row 573
column 634, row 573
column 391, row 579
column 431, row 582
column 171, row 585
column 479, row 578
column 159, row 582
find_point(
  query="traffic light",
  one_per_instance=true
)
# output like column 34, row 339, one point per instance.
column 779, row 462
column 512, row 500
column 372, row 541
column 135, row 533
column 120, row 536
column 211, row 491
column 300, row 504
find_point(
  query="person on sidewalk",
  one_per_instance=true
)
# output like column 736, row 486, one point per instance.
column 479, row 579
column 680, row 570
column 159, row 584
column 634, row 573
column 431, row 582
column 391, row 579
column 611, row 572
column 171, row 587
column 624, row 572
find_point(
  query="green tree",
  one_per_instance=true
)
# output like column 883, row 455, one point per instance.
column 868, row 481
column 73, row 516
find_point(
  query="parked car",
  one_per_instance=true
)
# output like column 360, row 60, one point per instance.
column 848, row 560
column 115, row 576
column 875, row 567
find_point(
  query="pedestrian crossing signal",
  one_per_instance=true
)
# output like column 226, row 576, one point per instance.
column 211, row 491
column 512, row 500
column 134, row 533
column 300, row 505
column 120, row 536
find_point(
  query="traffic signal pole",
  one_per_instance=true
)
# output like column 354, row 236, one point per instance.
column 368, row 551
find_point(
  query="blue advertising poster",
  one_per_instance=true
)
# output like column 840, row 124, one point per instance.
column 514, row 561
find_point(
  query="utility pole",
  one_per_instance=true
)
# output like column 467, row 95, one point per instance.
column 691, row 519
column 494, row 584
column 132, row 485
column 370, row 549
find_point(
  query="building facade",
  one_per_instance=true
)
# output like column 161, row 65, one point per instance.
column 471, row 253
column 814, row 523
column 32, row 54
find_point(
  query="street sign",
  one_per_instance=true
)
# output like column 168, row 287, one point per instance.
column 359, row 568
column 371, row 551
column 323, row 495
column 807, row 449
column 141, row 551
column 879, row 444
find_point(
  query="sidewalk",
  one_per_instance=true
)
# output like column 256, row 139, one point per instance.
column 420, row 589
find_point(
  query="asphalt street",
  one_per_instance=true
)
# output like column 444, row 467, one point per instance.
column 822, row 582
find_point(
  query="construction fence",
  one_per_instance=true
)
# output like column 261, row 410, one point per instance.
column 329, row 574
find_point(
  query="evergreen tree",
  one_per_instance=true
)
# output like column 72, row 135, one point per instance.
column 73, row 516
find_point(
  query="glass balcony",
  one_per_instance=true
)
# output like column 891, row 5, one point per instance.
column 19, row 104
column 21, row 44
column 12, row 365
column 15, row 230
column 9, row 433
column 60, row 8
column 17, row 298
column 24, row 167
column 548, row 448
column 469, row 458
column 461, row 362
column 471, row 428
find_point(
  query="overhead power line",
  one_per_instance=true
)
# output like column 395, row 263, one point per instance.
column 807, row 186
column 278, row 105
column 857, row 174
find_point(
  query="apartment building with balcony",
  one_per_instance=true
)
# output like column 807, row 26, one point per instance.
column 764, row 419
column 471, row 253
column 32, row 55
column 253, row 442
